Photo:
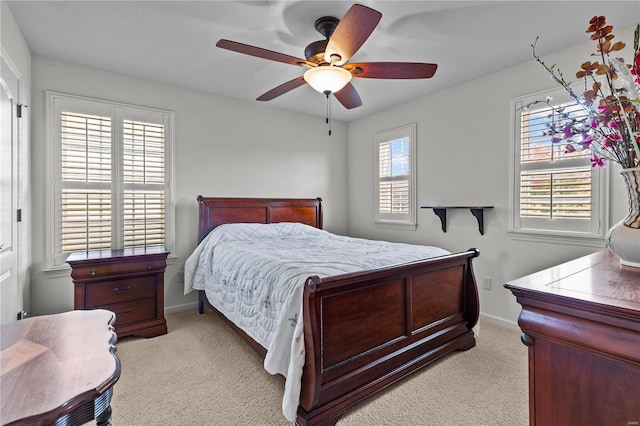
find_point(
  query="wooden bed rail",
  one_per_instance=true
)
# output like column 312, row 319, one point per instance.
column 364, row 331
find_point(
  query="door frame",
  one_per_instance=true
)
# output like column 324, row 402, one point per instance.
column 17, row 169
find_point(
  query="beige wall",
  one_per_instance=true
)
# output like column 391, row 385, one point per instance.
column 223, row 147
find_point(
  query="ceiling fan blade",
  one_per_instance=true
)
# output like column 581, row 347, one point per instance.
column 392, row 70
column 348, row 96
column 262, row 53
column 282, row 89
column 353, row 30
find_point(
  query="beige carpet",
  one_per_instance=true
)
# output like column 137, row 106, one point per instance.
column 201, row 373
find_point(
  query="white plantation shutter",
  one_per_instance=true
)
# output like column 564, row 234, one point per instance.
column 109, row 176
column 86, row 220
column 551, row 186
column 556, row 190
column 86, row 182
column 395, row 175
column 536, row 145
column 563, row 194
column 143, row 174
column 143, row 218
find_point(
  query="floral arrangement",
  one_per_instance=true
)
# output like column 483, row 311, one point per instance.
column 610, row 129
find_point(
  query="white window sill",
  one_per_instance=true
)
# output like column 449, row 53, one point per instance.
column 57, row 271
column 539, row 236
column 396, row 225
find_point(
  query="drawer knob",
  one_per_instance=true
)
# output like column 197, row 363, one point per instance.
column 118, row 290
column 149, row 265
column 93, row 271
column 527, row 340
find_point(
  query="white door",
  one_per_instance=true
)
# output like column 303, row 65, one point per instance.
column 10, row 296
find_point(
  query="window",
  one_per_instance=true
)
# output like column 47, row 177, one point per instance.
column 395, row 177
column 556, row 193
column 110, row 173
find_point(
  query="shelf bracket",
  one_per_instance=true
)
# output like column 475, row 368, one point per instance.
column 479, row 215
column 442, row 214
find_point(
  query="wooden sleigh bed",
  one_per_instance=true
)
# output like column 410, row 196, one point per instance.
column 363, row 331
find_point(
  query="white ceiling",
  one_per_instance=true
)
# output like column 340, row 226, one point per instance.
column 174, row 41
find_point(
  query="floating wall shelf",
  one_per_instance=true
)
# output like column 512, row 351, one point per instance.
column 477, row 211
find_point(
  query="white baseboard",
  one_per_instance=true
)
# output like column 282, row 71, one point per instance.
column 500, row 321
column 180, row 308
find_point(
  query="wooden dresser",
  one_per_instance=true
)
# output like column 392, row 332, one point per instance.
column 581, row 322
column 128, row 282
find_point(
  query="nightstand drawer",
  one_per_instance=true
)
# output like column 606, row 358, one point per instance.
column 117, row 291
column 131, row 312
column 117, row 268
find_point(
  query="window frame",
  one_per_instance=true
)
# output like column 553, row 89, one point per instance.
column 598, row 225
column 407, row 221
column 54, row 260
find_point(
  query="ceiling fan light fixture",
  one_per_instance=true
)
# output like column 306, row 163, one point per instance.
column 327, row 78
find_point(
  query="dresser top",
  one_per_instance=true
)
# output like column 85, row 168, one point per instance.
column 109, row 254
column 594, row 279
column 52, row 363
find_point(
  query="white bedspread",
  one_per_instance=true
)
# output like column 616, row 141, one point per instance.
column 255, row 273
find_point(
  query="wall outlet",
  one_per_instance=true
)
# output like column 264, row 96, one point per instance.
column 486, row 283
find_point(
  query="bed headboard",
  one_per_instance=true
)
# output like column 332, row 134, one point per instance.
column 215, row 211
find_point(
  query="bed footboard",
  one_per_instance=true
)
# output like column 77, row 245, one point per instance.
column 365, row 331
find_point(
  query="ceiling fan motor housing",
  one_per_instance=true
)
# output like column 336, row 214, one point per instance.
column 314, row 52
column 326, row 25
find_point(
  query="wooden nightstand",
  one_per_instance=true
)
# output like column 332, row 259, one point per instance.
column 128, row 282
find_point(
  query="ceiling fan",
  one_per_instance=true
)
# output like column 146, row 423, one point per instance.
column 329, row 71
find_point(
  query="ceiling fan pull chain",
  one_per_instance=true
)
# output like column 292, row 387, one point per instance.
column 328, row 119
